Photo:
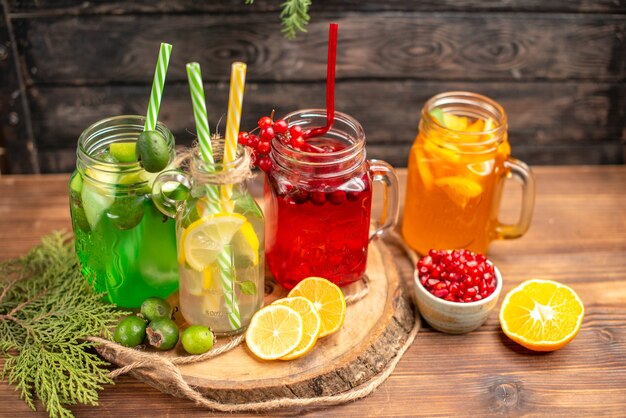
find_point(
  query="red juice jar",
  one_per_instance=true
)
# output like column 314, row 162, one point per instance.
column 318, row 205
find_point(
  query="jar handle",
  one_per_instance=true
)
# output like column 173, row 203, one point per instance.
column 169, row 189
column 383, row 172
column 519, row 171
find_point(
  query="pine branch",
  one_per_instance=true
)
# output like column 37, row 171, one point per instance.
column 47, row 310
column 295, row 17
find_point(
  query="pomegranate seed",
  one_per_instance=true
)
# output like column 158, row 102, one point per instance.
column 459, row 275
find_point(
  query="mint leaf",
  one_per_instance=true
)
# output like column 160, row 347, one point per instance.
column 248, row 288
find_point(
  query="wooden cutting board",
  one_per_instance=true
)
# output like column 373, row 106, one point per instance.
column 375, row 328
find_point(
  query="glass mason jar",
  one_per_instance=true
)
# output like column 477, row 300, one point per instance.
column 220, row 235
column 456, row 176
column 318, row 205
column 126, row 247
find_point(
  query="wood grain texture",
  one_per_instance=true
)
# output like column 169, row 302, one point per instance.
column 16, row 140
column 54, row 7
column 578, row 237
column 446, row 46
column 389, row 112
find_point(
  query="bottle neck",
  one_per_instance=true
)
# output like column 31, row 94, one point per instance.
column 474, row 107
column 92, row 161
column 220, row 173
column 344, row 146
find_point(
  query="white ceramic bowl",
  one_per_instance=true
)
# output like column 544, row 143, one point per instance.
column 455, row 317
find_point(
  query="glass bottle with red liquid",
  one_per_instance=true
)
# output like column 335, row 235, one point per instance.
column 318, row 202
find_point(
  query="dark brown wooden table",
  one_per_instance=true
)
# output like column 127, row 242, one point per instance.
column 578, row 237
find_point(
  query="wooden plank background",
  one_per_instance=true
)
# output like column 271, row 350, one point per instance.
column 558, row 68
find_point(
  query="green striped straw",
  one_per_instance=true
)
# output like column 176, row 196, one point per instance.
column 157, row 86
column 224, row 258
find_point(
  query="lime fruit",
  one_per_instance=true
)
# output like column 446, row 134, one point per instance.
column 152, row 151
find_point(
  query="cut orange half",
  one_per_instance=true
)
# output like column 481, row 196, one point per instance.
column 460, row 190
column 274, row 332
column 327, row 298
column 541, row 315
column 311, row 324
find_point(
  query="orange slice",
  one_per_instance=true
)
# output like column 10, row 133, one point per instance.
column 541, row 315
column 311, row 324
column 327, row 298
column 454, row 122
column 274, row 332
column 459, row 189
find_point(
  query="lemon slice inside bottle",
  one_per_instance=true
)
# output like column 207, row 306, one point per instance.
column 246, row 245
column 459, row 189
column 204, row 239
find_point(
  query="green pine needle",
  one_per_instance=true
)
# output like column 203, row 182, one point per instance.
column 47, row 310
column 295, row 17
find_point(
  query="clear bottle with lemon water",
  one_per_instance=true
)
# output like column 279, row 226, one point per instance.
column 220, row 242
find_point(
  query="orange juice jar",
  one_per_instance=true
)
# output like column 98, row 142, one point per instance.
column 456, row 173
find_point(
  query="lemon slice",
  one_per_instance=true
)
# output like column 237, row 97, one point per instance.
column 328, row 300
column 311, row 324
column 459, row 189
column 454, row 122
column 246, row 244
column 274, row 332
column 204, row 239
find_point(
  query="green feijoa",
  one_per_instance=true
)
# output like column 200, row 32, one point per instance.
column 162, row 333
column 126, row 211
column 197, row 339
column 152, row 151
column 155, row 308
column 131, row 331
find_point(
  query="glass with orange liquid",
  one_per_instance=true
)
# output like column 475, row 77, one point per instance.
column 457, row 168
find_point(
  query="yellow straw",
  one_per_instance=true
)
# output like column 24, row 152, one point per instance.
column 235, row 102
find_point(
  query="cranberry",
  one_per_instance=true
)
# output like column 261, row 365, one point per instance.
column 265, row 164
column 264, row 147
column 267, row 134
column 337, row 197
column 457, row 276
column 265, row 122
column 242, row 138
column 318, row 197
column 280, row 126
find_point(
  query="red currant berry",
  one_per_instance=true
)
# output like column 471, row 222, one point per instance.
column 353, row 196
column 295, row 130
column 337, row 197
column 265, row 164
column 280, row 126
column 318, row 197
column 253, row 141
column 267, row 134
column 264, row 122
column 243, row 138
column 300, row 196
column 297, row 141
column 264, row 147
